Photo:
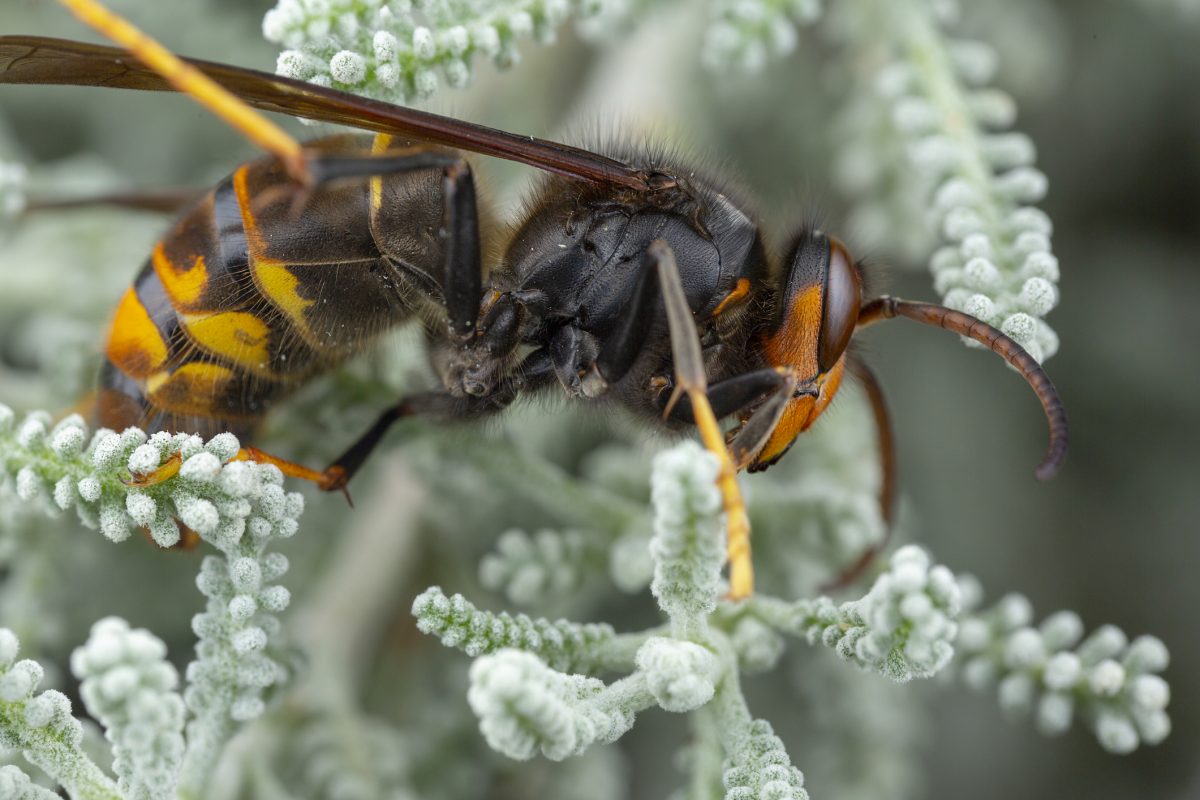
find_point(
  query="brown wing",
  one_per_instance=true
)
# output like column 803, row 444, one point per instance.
column 43, row 60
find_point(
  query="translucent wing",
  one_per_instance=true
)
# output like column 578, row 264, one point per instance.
column 42, row 60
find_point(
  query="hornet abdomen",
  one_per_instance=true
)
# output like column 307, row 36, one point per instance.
column 253, row 293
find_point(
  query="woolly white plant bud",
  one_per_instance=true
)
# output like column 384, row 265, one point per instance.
column 397, row 51
column 525, row 707
column 680, row 675
column 688, row 547
column 949, row 172
column 563, row 645
column 42, row 727
column 745, row 34
column 903, row 628
column 130, row 687
column 1106, row 680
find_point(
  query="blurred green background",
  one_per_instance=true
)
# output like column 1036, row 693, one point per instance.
column 1108, row 91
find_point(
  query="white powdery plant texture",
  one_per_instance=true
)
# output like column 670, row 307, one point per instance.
column 118, row 482
column 104, row 475
column 975, row 180
column 12, row 192
column 904, row 626
column 759, row 768
column 1055, row 672
column 41, row 726
column 688, row 542
column 130, row 687
column 745, row 34
column 397, row 50
column 532, row 567
column 459, row 624
column 15, row 785
column 232, row 666
column 525, row 706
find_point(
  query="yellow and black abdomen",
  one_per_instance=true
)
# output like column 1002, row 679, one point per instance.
column 249, row 296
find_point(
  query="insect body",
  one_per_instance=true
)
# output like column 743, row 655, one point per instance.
column 269, row 281
column 244, row 300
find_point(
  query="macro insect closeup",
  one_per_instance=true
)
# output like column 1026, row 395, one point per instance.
column 269, row 280
column 648, row 293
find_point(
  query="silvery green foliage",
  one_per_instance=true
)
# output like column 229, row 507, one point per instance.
column 745, row 34
column 1052, row 670
column 216, row 497
column 129, row 686
column 339, row 756
column 526, row 706
column 12, row 192
column 232, row 666
column 15, row 785
column 927, row 133
column 530, row 568
column 688, row 544
column 238, row 507
column 760, row 768
column 42, row 727
column 401, row 49
column 903, row 628
column 458, row 624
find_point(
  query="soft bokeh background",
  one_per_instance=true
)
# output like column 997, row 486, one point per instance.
column 1108, row 92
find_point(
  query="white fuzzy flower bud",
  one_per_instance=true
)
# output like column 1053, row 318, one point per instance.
column 1063, row 671
column 144, row 460
column 1107, row 678
column 680, row 674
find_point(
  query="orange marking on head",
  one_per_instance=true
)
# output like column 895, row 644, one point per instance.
column 134, row 345
column 184, row 287
column 737, row 293
column 236, row 336
column 791, row 424
column 800, row 414
column 829, row 387
column 794, row 345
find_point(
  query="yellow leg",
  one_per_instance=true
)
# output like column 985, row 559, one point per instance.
column 690, row 378
column 167, row 470
column 741, row 568
column 191, row 81
column 332, row 479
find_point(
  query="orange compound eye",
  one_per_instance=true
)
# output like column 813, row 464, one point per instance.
column 843, row 297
